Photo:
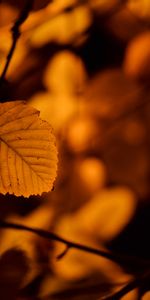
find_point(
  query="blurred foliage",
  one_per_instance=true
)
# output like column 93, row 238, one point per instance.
column 86, row 66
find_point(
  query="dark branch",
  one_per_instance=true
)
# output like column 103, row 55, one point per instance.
column 16, row 34
column 121, row 259
column 137, row 282
column 125, row 290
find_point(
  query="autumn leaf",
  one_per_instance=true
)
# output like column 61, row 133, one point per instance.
column 28, row 156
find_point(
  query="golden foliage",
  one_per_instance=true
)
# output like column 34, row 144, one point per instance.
column 137, row 57
column 65, row 85
column 101, row 219
column 92, row 174
column 110, row 210
column 28, row 156
column 77, row 265
column 64, row 28
column 65, row 74
column 83, row 134
column 102, row 135
column 56, row 109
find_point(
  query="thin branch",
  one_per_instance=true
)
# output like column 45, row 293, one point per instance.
column 137, row 282
column 16, row 34
column 121, row 259
column 63, row 253
column 125, row 290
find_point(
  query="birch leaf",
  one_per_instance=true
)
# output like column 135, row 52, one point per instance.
column 28, row 156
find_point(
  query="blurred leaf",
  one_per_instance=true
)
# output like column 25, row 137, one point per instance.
column 101, row 219
column 14, row 266
column 91, row 174
column 56, row 109
column 140, row 7
column 106, row 214
column 124, row 24
column 132, row 295
column 51, row 284
column 110, row 94
column 146, row 296
column 76, row 265
column 34, row 247
column 52, row 10
column 137, row 57
column 83, row 134
column 28, row 153
column 8, row 14
column 126, row 155
column 63, row 29
column 65, row 84
column 94, row 286
column 62, row 77
column 103, row 6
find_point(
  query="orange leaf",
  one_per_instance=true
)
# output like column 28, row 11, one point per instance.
column 28, row 156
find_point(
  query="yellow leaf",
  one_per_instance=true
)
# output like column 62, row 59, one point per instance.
column 28, row 156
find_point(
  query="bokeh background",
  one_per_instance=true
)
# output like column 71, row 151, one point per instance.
column 86, row 66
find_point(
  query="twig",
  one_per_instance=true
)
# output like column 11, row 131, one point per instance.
column 121, row 259
column 16, row 34
column 137, row 282
column 125, row 290
column 63, row 253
